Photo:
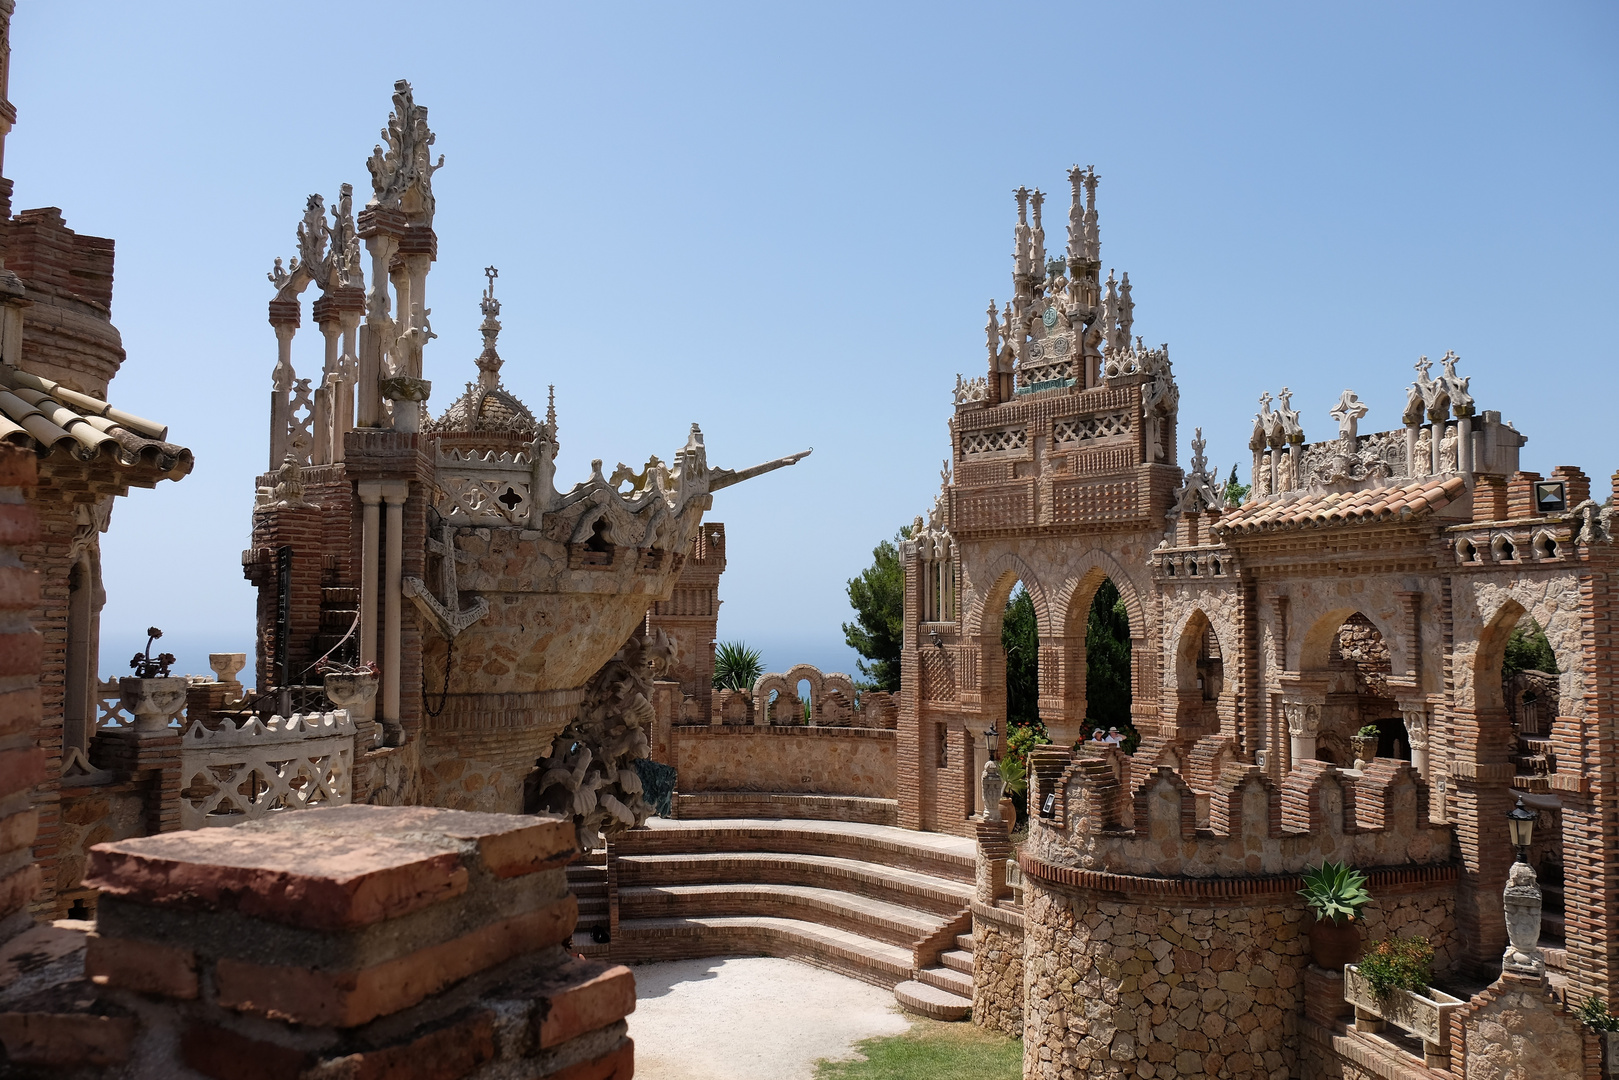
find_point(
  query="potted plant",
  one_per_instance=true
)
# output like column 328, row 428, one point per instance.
column 1334, row 894
column 1364, row 743
column 1391, row 983
column 151, row 695
column 1594, row 1013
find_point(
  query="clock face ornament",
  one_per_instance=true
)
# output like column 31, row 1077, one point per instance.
column 1049, row 317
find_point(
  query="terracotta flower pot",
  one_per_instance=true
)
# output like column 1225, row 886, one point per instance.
column 1332, row 945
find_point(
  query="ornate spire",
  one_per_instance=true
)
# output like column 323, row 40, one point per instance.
column 1037, row 257
column 403, row 175
column 1076, row 215
column 346, row 241
column 1127, row 311
column 1093, row 242
column 489, row 360
column 312, row 238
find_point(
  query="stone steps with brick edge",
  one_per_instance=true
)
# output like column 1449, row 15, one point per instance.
column 948, row 979
column 958, row 960
column 944, row 856
column 922, row 892
column 587, row 881
column 696, row 805
column 930, row 1001
column 966, row 943
column 864, row 900
column 880, row 920
column 855, row 955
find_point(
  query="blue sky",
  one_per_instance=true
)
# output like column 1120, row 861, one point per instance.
column 784, row 222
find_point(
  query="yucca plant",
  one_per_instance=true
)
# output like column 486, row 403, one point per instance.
column 737, row 667
column 1335, row 892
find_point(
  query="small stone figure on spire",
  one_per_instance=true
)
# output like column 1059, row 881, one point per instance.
column 489, row 361
column 1093, row 242
column 1037, row 258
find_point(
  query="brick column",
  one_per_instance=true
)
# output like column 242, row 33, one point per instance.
column 22, row 762
column 405, row 942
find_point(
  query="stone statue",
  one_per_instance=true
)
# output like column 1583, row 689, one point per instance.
column 1522, row 902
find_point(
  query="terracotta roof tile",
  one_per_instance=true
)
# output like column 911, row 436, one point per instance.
column 50, row 418
column 1329, row 508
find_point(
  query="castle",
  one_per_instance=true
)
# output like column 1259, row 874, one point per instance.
column 484, row 763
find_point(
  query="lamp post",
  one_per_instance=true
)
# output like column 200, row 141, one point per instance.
column 1522, row 900
column 991, row 784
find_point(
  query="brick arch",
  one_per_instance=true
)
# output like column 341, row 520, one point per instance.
column 1188, row 638
column 1079, row 591
column 1505, row 609
column 1001, row 575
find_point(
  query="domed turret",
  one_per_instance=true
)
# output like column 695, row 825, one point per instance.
column 488, row 406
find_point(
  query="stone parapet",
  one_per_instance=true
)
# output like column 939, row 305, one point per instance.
column 352, row 941
column 1376, row 819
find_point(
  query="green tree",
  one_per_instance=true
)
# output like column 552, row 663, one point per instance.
column 878, row 599
column 1021, row 640
column 1236, row 492
column 1107, row 663
column 1528, row 650
column 736, row 667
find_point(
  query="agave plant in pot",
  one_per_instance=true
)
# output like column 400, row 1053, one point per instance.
column 1335, row 894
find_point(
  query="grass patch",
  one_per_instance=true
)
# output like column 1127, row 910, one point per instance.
column 932, row 1050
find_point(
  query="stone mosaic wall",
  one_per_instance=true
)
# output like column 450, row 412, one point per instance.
column 998, row 970
column 1429, row 914
column 1115, row 989
column 1516, row 1031
column 804, row 760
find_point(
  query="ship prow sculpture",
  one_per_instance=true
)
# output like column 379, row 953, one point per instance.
column 521, row 596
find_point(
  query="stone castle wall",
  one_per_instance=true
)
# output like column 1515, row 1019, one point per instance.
column 800, row 760
column 998, row 969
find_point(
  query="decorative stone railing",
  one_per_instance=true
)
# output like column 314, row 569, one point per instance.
column 1427, row 1016
column 231, row 774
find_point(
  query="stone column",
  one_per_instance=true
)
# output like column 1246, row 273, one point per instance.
column 381, row 229
column 1413, row 468
column 370, row 541
column 324, row 427
column 1416, row 729
column 1303, row 725
column 1436, row 446
column 284, row 318
column 1464, row 442
column 393, row 493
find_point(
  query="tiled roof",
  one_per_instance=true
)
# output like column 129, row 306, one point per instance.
column 51, row 419
column 1333, row 508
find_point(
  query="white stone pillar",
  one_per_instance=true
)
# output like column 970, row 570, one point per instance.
column 280, row 391
column 1303, row 725
column 1412, row 468
column 1416, row 730
column 326, row 396
column 349, row 365
column 371, row 526
column 1436, row 448
column 393, row 494
column 1464, row 443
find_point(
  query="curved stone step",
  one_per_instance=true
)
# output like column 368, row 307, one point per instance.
column 904, row 887
column 711, row 805
column 935, row 854
column 894, row 923
column 932, row 1002
column 945, row 979
column 855, row 955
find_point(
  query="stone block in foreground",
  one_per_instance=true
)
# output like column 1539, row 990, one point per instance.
column 345, row 942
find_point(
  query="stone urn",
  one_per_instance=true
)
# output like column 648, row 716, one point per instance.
column 1365, row 748
column 152, row 702
column 357, row 692
column 1334, row 944
column 226, row 666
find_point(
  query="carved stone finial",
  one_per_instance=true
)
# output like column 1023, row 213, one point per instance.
column 346, row 242
column 489, row 361
column 312, row 239
column 1348, row 412
column 402, row 176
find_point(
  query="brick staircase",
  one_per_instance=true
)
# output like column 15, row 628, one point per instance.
column 587, row 880
column 771, row 805
column 881, row 904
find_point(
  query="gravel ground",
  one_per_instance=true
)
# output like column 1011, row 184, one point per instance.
column 751, row 1018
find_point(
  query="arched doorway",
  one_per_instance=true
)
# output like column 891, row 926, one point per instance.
column 1531, row 694
column 1020, row 641
column 1108, row 688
